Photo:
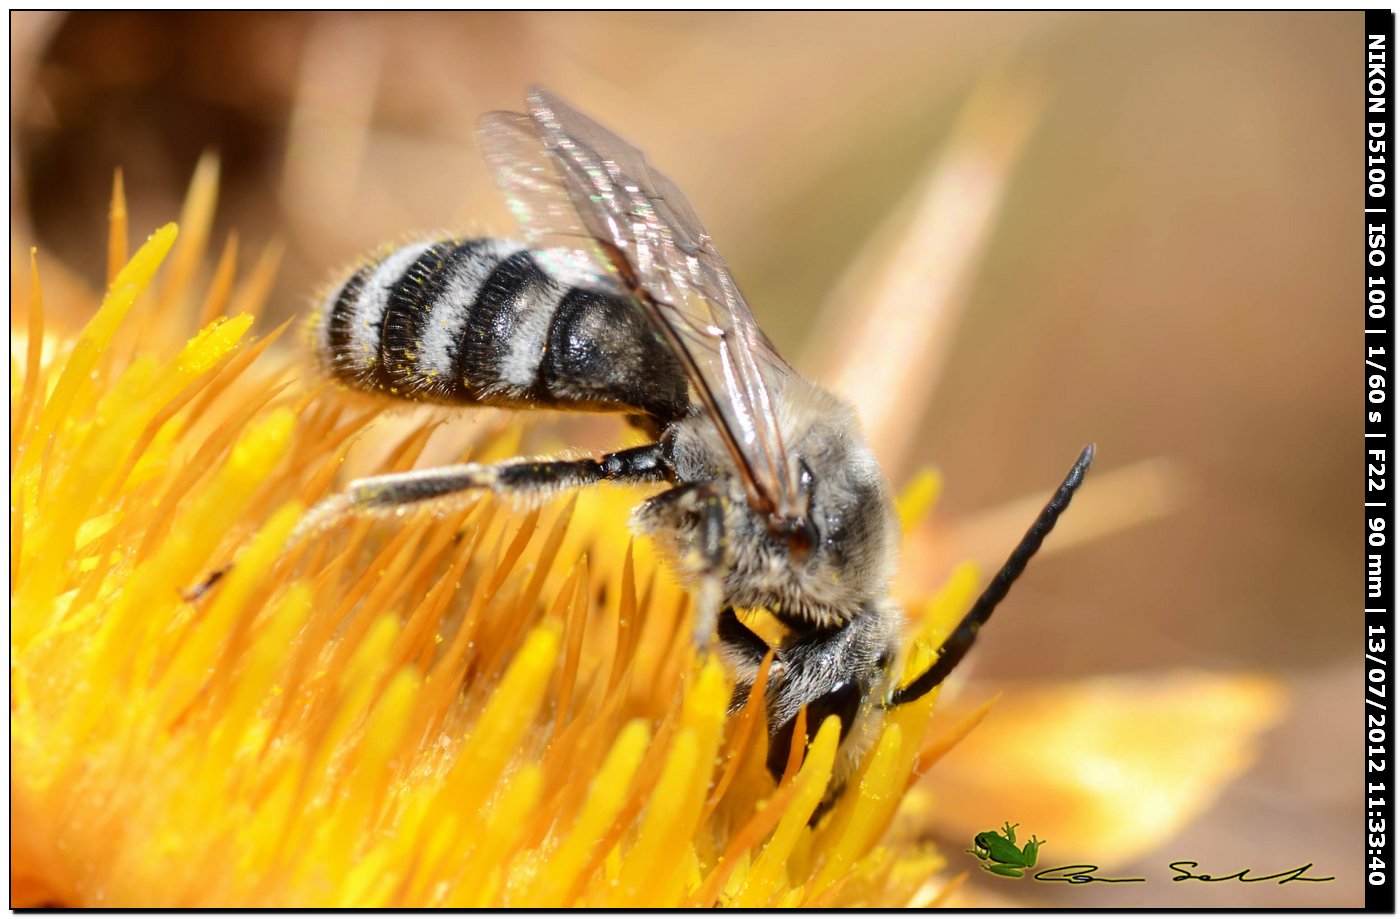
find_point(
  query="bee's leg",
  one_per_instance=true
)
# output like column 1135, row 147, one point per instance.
column 530, row 479
column 743, row 652
column 699, row 506
column 525, row 478
column 742, row 647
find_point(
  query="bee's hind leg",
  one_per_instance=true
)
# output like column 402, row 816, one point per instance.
column 527, row 479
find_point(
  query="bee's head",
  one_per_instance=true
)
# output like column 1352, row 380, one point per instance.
column 832, row 555
column 834, row 558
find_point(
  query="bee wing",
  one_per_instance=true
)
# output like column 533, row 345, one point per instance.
column 538, row 200
column 572, row 182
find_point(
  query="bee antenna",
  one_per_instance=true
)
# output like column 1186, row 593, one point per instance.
column 960, row 641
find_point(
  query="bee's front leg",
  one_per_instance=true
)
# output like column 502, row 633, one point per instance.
column 743, row 651
column 695, row 508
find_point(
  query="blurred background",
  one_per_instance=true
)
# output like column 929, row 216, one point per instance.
column 1001, row 235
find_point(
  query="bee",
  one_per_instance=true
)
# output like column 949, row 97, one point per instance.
column 618, row 301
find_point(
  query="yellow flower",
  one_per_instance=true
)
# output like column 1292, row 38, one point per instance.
column 487, row 707
column 484, row 707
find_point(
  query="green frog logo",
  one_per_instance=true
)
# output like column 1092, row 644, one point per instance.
column 1000, row 852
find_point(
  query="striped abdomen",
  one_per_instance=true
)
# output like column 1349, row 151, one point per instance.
column 480, row 321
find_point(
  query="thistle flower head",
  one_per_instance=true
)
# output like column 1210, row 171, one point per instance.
column 481, row 707
column 484, row 707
